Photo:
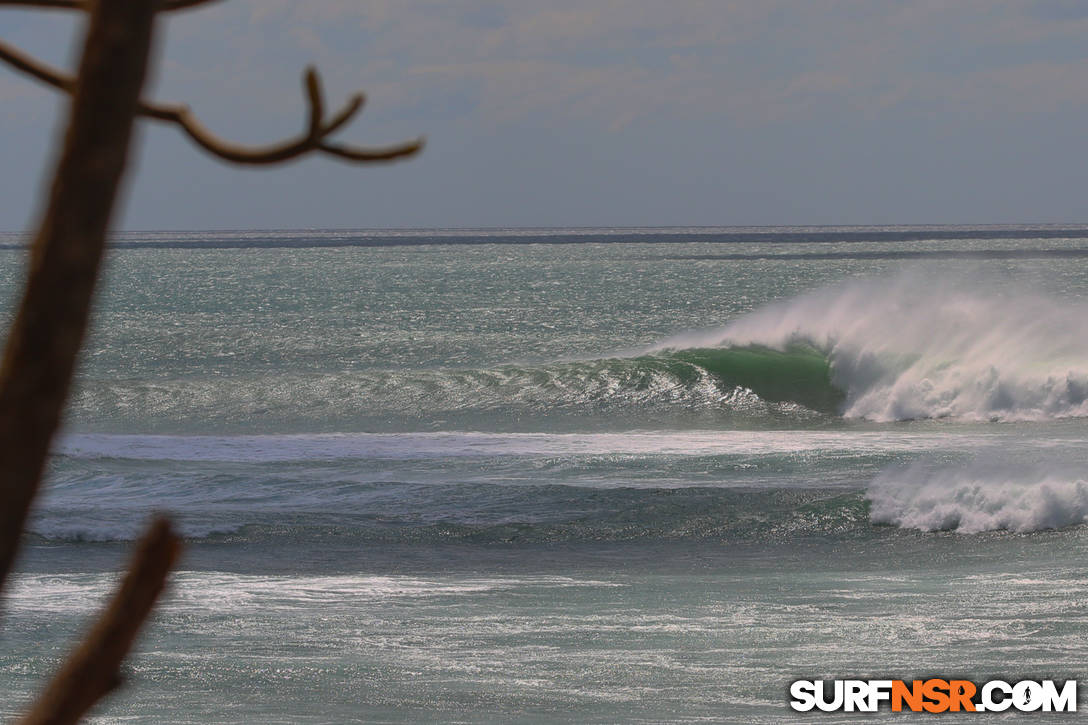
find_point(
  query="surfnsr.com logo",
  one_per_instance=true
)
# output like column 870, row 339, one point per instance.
column 934, row 695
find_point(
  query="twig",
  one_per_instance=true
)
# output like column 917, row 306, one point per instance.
column 39, row 71
column 93, row 669
column 314, row 139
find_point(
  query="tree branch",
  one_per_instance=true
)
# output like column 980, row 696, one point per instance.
column 314, row 139
column 39, row 71
column 43, row 343
column 93, row 669
column 44, row 340
column 166, row 5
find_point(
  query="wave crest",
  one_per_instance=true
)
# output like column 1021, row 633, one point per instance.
column 978, row 498
column 915, row 347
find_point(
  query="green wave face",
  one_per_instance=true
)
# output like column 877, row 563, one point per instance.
column 799, row 374
column 664, row 387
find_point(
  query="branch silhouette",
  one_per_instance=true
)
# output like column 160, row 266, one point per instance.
column 45, row 337
column 43, row 343
column 93, row 669
column 314, row 139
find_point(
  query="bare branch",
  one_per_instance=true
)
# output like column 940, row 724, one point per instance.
column 365, row 155
column 317, row 101
column 345, row 114
column 39, row 71
column 93, row 669
column 167, row 5
column 314, row 139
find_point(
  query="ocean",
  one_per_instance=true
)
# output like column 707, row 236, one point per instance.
column 570, row 475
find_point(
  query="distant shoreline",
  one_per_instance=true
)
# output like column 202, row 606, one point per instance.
column 333, row 238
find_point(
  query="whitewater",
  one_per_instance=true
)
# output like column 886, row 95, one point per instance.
column 556, row 475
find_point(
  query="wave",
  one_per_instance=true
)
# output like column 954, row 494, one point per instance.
column 90, row 527
column 910, row 347
column 918, row 346
column 727, row 498
column 798, row 373
column 486, row 487
column 542, row 514
column 450, row 446
column 967, row 501
column 665, row 388
column 979, row 497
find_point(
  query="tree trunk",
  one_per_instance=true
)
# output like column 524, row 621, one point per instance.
column 44, row 340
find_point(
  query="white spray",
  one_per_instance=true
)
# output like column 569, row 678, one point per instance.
column 918, row 347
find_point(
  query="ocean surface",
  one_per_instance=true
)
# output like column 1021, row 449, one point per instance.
column 579, row 475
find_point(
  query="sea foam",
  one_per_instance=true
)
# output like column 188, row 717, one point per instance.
column 978, row 497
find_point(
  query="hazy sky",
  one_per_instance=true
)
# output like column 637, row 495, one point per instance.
column 604, row 112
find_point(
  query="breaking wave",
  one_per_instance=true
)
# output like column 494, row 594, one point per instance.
column 903, row 348
column 660, row 388
column 969, row 500
column 978, row 498
column 913, row 347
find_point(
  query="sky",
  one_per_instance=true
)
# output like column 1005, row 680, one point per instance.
column 599, row 113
